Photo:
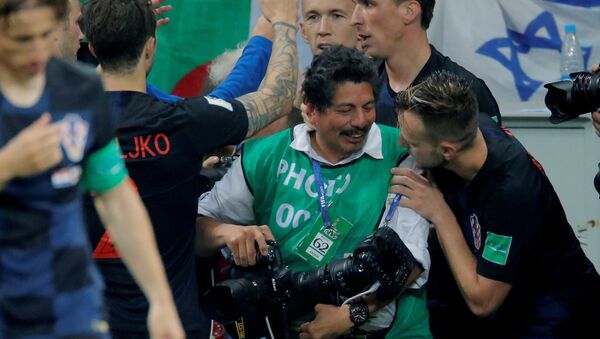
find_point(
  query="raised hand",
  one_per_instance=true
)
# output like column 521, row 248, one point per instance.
column 280, row 10
column 160, row 10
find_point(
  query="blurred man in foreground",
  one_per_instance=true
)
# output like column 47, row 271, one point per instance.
column 57, row 135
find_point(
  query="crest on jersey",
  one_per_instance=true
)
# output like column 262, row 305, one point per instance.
column 476, row 229
column 74, row 135
column 66, row 177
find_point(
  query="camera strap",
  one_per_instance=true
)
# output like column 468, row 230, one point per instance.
column 392, row 210
column 322, row 195
column 327, row 234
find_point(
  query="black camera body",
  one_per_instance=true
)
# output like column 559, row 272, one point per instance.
column 271, row 289
column 568, row 99
column 230, row 299
column 209, row 176
column 227, row 160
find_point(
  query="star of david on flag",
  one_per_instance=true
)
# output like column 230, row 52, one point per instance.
column 514, row 45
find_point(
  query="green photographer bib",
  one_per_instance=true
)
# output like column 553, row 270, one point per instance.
column 285, row 195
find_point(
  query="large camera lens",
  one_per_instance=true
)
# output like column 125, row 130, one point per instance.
column 271, row 285
column 568, row 99
column 231, row 298
column 326, row 283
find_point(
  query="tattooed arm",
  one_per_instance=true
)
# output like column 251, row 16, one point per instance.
column 276, row 95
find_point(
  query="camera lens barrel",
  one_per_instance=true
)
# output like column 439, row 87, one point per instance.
column 568, row 99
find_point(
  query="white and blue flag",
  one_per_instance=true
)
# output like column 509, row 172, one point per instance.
column 514, row 45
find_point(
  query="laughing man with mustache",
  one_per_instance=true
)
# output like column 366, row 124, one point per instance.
column 270, row 193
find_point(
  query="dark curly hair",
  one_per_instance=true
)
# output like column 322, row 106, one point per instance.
column 336, row 65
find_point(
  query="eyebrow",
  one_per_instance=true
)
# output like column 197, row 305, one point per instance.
column 349, row 104
column 343, row 105
column 337, row 10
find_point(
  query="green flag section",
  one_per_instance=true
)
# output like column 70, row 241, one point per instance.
column 199, row 31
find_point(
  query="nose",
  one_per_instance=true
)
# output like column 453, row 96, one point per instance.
column 39, row 50
column 324, row 26
column 357, row 18
column 80, row 35
column 363, row 119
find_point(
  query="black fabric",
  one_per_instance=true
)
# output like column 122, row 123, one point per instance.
column 554, row 285
column 68, row 264
column 386, row 113
column 452, row 322
column 25, row 227
column 163, row 145
column 28, row 316
column 145, row 335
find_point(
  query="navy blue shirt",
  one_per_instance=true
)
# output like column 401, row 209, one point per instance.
column 386, row 114
column 49, row 286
